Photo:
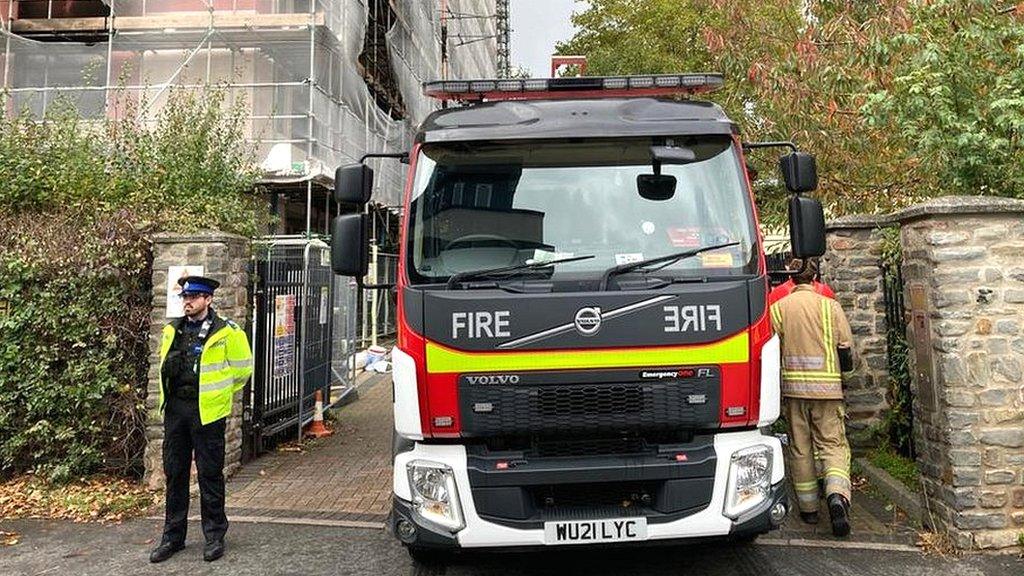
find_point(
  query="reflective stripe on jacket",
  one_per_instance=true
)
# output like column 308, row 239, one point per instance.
column 224, row 367
column 810, row 327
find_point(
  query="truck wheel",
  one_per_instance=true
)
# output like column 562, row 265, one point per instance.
column 746, row 540
column 428, row 557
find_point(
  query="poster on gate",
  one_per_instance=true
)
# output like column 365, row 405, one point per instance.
column 324, row 296
column 284, row 335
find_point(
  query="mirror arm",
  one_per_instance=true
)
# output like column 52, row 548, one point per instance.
column 384, row 286
column 403, row 157
column 776, row 144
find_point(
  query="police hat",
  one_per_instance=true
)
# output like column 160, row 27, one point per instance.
column 197, row 285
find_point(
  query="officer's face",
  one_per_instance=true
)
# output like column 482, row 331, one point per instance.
column 196, row 304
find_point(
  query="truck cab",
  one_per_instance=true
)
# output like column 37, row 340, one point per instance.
column 584, row 354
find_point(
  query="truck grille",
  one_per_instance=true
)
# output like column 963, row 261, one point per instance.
column 564, row 408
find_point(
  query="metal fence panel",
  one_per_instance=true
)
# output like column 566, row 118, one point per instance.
column 293, row 336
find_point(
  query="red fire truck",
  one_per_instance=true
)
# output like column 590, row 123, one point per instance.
column 583, row 354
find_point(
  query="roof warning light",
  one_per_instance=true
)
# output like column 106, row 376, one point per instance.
column 573, row 87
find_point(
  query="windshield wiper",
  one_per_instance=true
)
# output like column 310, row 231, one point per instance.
column 463, row 276
column 666, row 260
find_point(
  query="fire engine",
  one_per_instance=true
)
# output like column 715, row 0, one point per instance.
column 583, row 352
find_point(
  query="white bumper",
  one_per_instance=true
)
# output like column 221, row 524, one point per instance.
column 481, row 533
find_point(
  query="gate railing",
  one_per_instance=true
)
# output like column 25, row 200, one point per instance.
column 293, row 345
column 901, row 417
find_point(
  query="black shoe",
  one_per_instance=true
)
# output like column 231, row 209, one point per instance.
column 213, row 550
column 164, row 551
column 809, row 517
column 839, row 511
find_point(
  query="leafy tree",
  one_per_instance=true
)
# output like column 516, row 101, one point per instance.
column 848, row 81
column 956, row 96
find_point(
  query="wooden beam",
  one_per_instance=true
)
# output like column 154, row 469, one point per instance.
column 176, row 20
column 58, row 25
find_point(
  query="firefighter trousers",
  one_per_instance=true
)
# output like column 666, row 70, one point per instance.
column 183, row 435
column 817, row 428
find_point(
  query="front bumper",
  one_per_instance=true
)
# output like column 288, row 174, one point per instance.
column 479, row 532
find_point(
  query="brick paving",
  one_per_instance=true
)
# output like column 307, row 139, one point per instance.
column 346, row 476
column 872, row 519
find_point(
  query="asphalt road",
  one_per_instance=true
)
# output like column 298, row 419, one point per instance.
column 62, row 548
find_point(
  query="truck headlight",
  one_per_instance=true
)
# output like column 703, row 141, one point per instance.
column 750, row 475
column 435, row 497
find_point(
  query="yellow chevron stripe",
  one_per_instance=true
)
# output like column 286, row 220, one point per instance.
column 735, row 349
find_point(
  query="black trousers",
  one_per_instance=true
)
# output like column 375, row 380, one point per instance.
column 183, row 434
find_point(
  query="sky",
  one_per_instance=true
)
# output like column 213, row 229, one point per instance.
column 536, row 26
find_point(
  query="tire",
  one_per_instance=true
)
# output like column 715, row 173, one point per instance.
column 428, row 557
column 746, row 539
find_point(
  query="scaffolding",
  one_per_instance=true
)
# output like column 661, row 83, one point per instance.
column 324, row 81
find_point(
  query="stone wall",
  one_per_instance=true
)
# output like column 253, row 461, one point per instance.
column 853, row 268
column 964, row 287
column 225, row 258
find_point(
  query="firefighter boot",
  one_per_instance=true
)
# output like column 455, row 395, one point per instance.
column 809, row 517
column 839, row 511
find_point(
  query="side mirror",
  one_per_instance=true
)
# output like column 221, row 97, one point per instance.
column 800, row 171
column 350, row 245
column 806, row 227
column 353, row 184
column 656, row 186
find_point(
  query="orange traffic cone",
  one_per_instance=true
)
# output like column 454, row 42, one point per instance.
column 316, row 428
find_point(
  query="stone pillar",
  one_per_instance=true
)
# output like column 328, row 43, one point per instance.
column 853, row 268
column 225, row 258
column 964, row 285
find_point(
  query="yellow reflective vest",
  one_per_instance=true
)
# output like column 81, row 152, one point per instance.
column 224, row 366
column 811, row 326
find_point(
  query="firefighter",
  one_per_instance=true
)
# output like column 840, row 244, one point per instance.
column 204, row 360
column 816, row 349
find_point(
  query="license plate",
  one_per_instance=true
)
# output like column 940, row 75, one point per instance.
column 592, row 531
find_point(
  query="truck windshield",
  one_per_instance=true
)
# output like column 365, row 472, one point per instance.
column 487, row 205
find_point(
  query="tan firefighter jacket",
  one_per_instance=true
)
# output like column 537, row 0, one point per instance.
column 810, row 326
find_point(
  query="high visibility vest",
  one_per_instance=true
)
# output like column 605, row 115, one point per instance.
column 810, row 327
column 224, row 367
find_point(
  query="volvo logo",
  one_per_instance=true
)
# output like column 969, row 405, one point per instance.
column 588, row 320
column 494, row 379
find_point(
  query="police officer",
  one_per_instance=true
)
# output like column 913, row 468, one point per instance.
column 204, row 360
column 816, row 349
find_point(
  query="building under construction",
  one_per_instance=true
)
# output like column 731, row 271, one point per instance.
column 325, row 81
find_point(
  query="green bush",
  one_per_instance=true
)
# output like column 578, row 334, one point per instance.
column 73, row 343
column 899, row 467
column 78, row 200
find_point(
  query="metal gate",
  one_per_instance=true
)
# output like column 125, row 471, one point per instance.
column 293, row 305
column 901, row 417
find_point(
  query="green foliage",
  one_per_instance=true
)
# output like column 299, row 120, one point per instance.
column 78, row 199
column 957, row 95
column 73, row 344
column 194, row 169
column 899, row 467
